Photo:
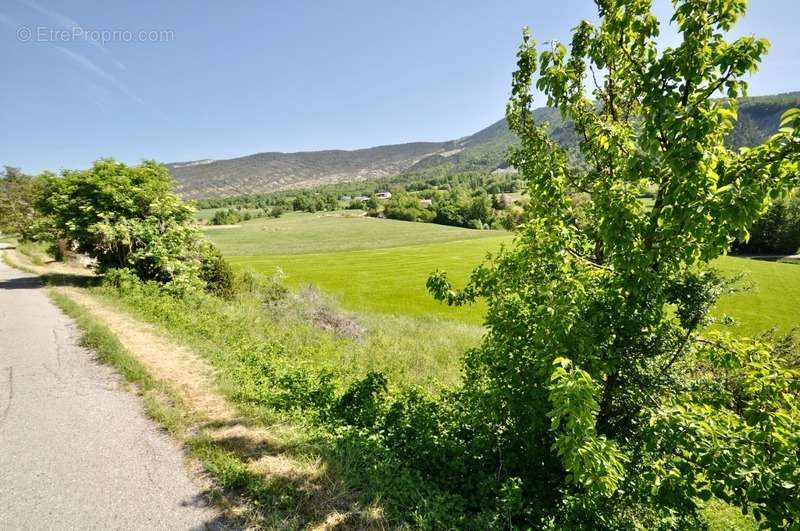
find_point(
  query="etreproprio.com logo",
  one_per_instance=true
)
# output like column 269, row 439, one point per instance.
column 100, row 36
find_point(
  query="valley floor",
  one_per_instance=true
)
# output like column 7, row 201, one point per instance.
column 379, row 265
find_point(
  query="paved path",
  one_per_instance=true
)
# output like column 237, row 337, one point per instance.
column 76, row 451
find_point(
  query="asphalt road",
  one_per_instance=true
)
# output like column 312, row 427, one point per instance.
column 76, row 451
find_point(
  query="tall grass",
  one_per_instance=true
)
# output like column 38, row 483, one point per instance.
column 409, row 351
column 37, row 252
column 277, row 365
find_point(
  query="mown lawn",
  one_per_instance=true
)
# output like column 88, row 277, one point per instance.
column 772, row 298
column 390, row 280
column 299, row 233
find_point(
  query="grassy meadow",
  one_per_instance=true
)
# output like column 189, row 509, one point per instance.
column 368, row 264
column 326, row 232
column 381, row 266
column 771, row 297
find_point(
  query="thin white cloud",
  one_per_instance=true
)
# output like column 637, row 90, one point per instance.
column 62, row 20
column 65, row 22
column 91, row 67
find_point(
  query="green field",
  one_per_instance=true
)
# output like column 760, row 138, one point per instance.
column 772, row 299
column 349, row 230
column 378, row 265
column 390, row 280
column 368, row 264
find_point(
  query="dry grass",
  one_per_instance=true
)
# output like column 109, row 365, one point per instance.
column 266, row 452
column 43, row 265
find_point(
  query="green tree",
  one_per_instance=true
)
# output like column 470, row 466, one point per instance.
column 406, row 207
column 126, row 217
column 597, row 392
column 777, row 232
column 226, row 217
column 372, row 203
column 18, row 195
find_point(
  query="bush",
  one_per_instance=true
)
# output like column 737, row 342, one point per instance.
column 267, row 289
column 126, row 217
column 217, row 274
column 362, row 404
column 226, row 217
column 124, row 280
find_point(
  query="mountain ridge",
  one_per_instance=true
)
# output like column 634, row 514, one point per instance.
column 484, row 150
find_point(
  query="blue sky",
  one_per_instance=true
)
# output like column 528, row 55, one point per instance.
column 235, row 78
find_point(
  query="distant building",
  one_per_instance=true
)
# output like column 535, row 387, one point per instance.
column 345, row 198
column 425, row 203
column 384, row 195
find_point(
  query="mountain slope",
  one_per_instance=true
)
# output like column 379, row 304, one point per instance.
column 267, row 172
column 484, row 150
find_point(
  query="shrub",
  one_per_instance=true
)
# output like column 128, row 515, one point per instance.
column 362, row 404
column 124, row 280
column 226, row 217
column 267, row 289
column 217, row 273
column 125, row 217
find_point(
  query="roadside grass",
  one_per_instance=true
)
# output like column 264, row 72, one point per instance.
column 36, row 251
column 275, row 477
column 418, row 351
column 280, row 371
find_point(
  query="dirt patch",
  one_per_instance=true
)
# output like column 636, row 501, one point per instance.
column 165, row 360
column 18, row 260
